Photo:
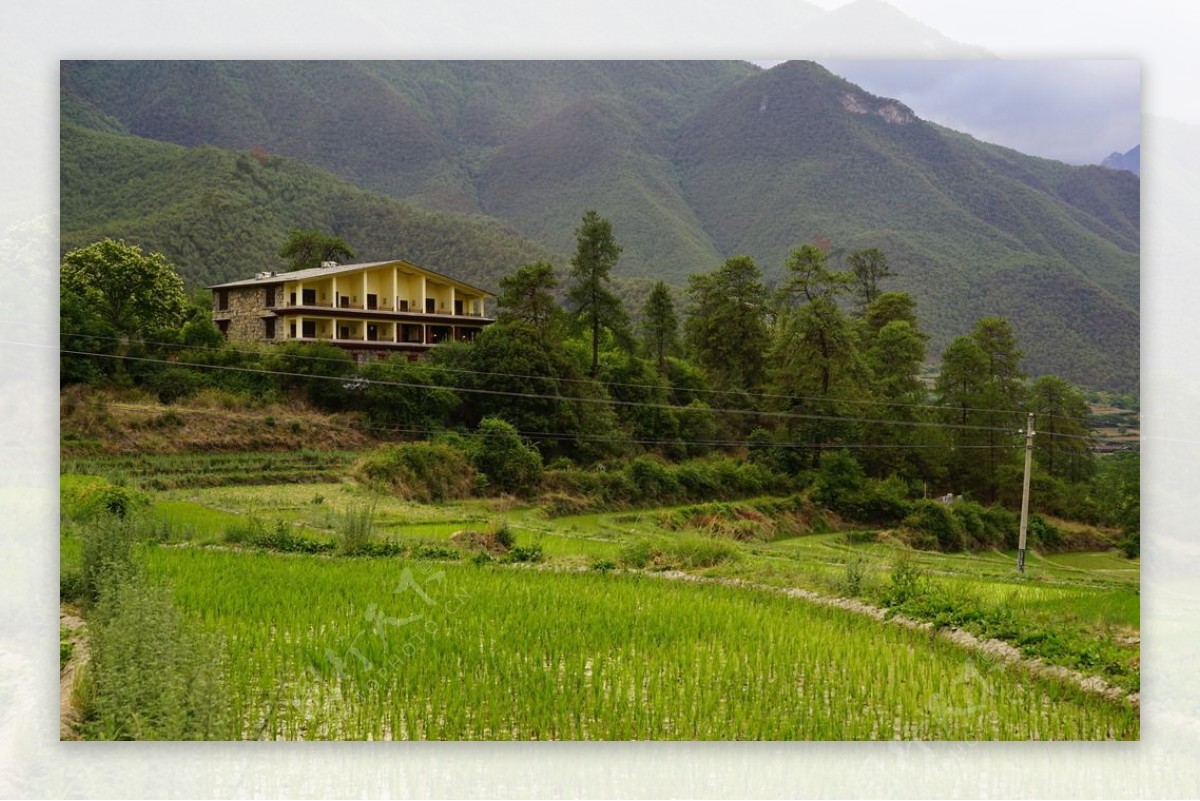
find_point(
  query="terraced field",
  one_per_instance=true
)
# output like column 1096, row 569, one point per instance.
column 484, row 619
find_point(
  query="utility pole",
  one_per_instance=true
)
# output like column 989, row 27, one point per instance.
column 1025, row 494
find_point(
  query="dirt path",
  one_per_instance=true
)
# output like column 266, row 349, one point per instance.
column 68, row 714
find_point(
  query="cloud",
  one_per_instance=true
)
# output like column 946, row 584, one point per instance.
column 1072, row 110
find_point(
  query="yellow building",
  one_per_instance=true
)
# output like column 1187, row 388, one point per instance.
column 381, row 307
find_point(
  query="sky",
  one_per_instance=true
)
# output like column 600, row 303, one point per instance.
column 1077, row 111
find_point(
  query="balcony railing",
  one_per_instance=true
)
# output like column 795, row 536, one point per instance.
column 385, row 307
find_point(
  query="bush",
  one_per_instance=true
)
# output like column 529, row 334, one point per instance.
column 653, row 480
column 175, row 383
column 525, row 553
column 420, row 471
column 354, row 533
column 107, row 556
column 839, row 479
column 879, row 502
column 150, row 678
column 509, row 463
column 85, row 498
column 1044, row 535
column 906, row 582
column 938, row 523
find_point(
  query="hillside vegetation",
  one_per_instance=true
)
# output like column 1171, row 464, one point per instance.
column 693, row 162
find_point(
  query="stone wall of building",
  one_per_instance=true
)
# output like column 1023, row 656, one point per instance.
column 245, row 313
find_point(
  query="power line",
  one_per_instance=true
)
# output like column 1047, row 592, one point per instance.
column 359, row 381
column 632, row 385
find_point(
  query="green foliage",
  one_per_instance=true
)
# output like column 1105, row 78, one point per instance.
column 86, row 498
column 725, row 326
column 906, row 581
column 510, row 464
column 679, row 552
column 869, row 267
column 937, row 526
column 403, row 394
column 660, row 324
column 175, row 384
column 355, row 531
column 421, row 471
column 527, row 296
column 306, row 250
column 151, row 677
column 591, row 298
column 525, row 553
column 839, row 479
column 130, row 291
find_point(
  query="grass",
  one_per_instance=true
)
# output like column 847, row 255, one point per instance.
column 320, row 643
column 383, row 649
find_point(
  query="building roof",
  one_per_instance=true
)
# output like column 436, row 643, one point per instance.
column 324, row 272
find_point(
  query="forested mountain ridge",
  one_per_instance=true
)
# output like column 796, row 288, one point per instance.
column 692, row 161
column 220, row 215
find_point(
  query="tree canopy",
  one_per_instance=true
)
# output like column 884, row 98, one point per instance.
column 592, row 299
column 305, row 250
column 131, row 291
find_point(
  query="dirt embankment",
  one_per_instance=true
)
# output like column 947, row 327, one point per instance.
column 68, row 713
column 109, row 423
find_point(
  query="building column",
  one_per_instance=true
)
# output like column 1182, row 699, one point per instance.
column 395, row 292
column 364, row 295
column 299, row 326
column 336, row 301
column 422, row 309
column 452, row 295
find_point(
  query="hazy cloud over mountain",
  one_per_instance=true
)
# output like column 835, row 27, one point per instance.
column 1075, row 111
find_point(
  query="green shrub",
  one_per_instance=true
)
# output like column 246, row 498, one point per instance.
column 879, row 502
column 150, row 676
column 525, row 553
column 905, row 583
column 421, row 471
column 937, row 523
column 354, row 532
column 1131, row 544
column 653, row 480
column 856, row 576
column 1044, row 535
column 839, row 479
column 509, row 463
column 503, row 535
column 107, row 556
column 175, row 383
column 85, row 498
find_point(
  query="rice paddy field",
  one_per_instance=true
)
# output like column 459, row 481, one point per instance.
column 623, row 626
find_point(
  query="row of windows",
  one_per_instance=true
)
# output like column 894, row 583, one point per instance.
column 309, row 298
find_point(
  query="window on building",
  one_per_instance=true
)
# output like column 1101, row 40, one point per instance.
column 222, row 300
column 269, row 328
column 270, row 298
column 223, row 327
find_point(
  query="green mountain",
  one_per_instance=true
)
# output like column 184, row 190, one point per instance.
column 220, row 215
column 692, row 161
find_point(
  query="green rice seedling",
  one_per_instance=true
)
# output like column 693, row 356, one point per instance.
column 393, row 649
